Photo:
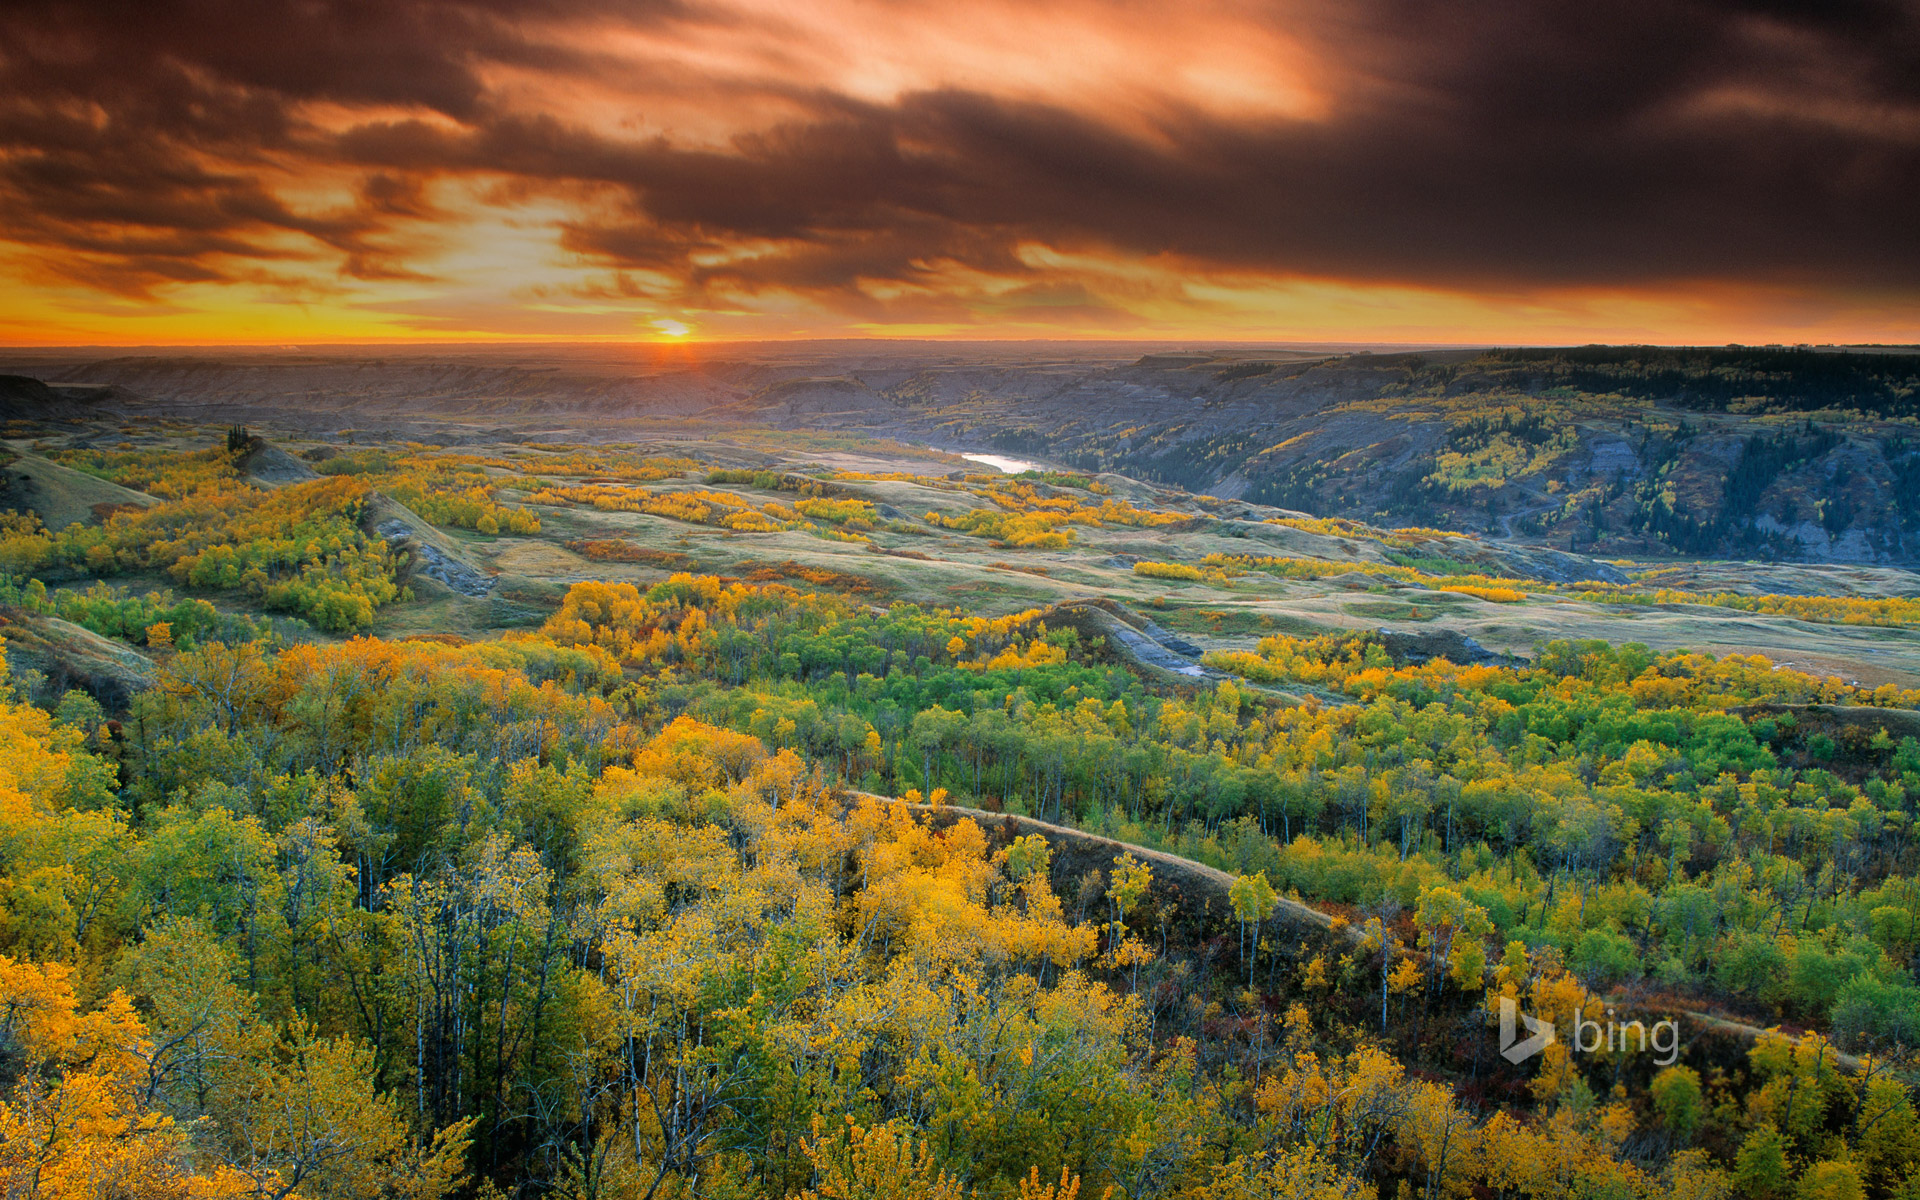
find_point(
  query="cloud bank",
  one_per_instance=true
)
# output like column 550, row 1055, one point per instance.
column 579, row 167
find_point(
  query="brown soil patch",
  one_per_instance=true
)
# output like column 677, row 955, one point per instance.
column 618, row 550
column 840, row 581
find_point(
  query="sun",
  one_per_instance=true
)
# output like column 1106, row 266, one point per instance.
column 671, row 328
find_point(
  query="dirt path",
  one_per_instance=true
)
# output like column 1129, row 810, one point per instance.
column 1199, row 878
column 1846, row 1062
column 1210, row 880
column 1508, row 518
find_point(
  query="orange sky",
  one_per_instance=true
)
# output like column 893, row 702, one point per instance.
column 208, row 171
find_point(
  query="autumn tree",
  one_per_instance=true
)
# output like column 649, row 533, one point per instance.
column 1253, row 900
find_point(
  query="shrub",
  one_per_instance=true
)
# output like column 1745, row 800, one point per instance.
column 1159, row 570
column 1497, row 595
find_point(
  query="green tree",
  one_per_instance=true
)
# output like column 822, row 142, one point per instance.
column 1677, row 1100
column 1760, row 1168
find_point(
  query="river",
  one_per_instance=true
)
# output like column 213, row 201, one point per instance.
column 1012, row 466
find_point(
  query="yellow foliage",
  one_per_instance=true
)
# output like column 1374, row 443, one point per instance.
column 1405, row 977
column 1314, row 978
column 168, row 474
column 1024, row 518
column 1899, row 611
column 854, row 514
column 1067, row 1187
column 1159, row 570
column 297, row 548
column 75, row 1126
column 877, row 1163
column 1498, row 595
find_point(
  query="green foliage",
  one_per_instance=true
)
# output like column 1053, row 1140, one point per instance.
column 445, row 489
column 1059, row 479
column 116, row 612
column 1433, row 564
column 774, row 481
column 401, row 886
column 1678, row 1100
column 1601, row 800
column 1761, row 1171
column 297, row 549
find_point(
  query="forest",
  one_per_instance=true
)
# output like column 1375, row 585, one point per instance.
column 1790, row 379
column 716, row 886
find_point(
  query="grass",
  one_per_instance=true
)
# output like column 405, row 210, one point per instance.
column 63, row 495
column 1433, row 564
column 1387, row 610
column 1221, row 622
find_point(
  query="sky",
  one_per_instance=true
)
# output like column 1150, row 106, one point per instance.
column 1518, row 171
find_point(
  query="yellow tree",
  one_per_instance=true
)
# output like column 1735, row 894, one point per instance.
column 1453, row 930
column 76, row 1125
column 877, row 1163
column 1131, row 879
column 1294, row 1173
column 62, row 851
column 1253, row 900
column 314, row 1125
column 209, row 1041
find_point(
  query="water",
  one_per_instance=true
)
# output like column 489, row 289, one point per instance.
column 1012, row 466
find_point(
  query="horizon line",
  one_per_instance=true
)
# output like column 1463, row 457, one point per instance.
column 691, row 343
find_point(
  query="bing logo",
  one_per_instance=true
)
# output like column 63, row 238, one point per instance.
column 1662, row 1037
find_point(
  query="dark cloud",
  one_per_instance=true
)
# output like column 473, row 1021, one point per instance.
column 151, row 137
column 1500, row 143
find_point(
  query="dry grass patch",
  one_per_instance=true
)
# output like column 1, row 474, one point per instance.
column 536, row 559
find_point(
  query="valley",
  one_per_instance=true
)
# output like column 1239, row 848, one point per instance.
column 514, row 742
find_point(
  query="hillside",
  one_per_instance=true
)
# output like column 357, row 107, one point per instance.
column 58, row 494
column 586, row 808
column 23, row 398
